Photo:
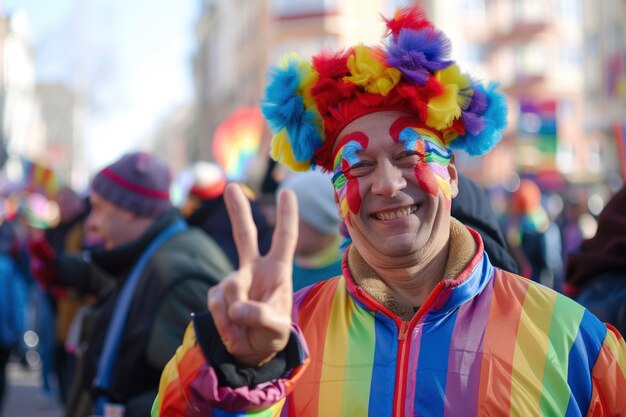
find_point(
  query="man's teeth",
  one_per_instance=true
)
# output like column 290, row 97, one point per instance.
column 391, row 215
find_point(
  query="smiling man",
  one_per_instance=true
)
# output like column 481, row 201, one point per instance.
column 420, row 322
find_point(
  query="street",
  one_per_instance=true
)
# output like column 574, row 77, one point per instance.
column 23, row 396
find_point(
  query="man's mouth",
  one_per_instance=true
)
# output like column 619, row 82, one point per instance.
column 395, row 214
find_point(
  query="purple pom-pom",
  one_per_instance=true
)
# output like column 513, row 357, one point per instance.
column 419, row 53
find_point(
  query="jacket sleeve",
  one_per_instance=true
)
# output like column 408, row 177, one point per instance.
column 181, row 285
column 84, row 276
column 192, row 385
column 609, row 377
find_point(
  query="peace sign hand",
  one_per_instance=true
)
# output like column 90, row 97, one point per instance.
column 251, row 307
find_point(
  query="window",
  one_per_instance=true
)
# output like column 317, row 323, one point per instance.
column 570, row 10
column 473, row 10
column 300, row 7
column 530, row 10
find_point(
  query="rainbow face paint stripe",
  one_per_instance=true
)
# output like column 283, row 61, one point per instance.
column 346, row 185
column 431, row 171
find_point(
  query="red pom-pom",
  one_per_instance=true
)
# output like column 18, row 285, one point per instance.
column 332, row 64
column 330, row 87
column 407, row 18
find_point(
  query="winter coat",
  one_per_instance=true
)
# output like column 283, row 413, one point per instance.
column 13, row 298
column 212, row 217
column 486, row 343
column 172, row 286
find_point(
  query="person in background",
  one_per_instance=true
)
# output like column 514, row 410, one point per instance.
column 534, row 227
column 37, row 215
column 596, row 274
column 317, row 256
column 151, row 275
column 419, row 322
column 13, row 299
column 68, row 236
column 204, row 208
column 473, row 208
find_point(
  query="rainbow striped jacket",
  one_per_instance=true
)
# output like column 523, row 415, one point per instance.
column 489, row 343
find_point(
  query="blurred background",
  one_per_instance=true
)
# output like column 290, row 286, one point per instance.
column 84, row 81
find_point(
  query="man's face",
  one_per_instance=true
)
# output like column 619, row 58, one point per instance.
column 110, row 223
column 394, row 182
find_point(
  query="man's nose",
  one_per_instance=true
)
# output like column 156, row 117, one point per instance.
column 90, row 223
column 388, row 180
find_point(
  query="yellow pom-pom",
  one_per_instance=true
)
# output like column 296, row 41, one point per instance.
column 308, row 79
column 369, row 73
column 443, row 109
column 282, row 152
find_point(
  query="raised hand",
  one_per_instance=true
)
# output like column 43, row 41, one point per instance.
column 251, row 307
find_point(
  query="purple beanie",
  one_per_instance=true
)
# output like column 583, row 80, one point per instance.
column 137, row 182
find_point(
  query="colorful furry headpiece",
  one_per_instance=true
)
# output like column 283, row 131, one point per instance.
column 307, row 104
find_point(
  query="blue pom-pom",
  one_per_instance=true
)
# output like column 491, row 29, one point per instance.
column 304, row 137
column 494, row 117
column 284, row 108
column 282, row 105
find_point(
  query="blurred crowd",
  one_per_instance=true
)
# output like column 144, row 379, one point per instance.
column 98, row 286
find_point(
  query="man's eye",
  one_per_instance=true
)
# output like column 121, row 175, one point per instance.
column 360, row 169
column 407, row 159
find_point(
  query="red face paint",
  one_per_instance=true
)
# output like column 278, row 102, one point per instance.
column 423, row 173
column 347, row 186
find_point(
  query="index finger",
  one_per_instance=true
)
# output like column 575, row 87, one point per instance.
column 286, row 231
column 244, row 229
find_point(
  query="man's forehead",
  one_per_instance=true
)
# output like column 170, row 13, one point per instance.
column 373, row 121
column 98, row 200
column 379, row 126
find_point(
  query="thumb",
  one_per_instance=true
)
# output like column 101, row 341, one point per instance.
column 259, row 314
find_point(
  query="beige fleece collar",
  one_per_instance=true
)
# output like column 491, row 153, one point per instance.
column 463, row 247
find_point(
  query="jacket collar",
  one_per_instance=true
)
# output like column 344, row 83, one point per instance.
column 467, row 271
column 120, row 260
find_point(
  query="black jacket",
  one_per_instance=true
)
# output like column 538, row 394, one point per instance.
column 212, row 217
column 173, row 285
column 472, row 208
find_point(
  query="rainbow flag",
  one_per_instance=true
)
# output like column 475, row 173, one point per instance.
column 237, row 140
column 490, row 343
column 39, row 178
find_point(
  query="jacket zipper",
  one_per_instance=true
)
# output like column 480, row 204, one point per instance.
column 401, row 369
column 403, row 341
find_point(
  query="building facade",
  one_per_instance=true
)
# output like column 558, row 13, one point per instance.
column 22, row 131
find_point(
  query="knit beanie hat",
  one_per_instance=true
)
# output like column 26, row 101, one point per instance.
column 209, row 180
column 137, row 182
column 316, row 200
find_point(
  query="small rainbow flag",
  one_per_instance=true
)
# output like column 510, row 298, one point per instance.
column 237, row 140
column 39, row 178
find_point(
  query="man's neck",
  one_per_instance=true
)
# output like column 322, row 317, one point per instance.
column 415, row 283
column 404, row 288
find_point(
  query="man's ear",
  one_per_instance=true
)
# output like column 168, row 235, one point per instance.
column 454, row 178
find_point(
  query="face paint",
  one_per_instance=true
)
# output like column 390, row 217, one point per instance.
column 431, row 171
column 346, row 185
